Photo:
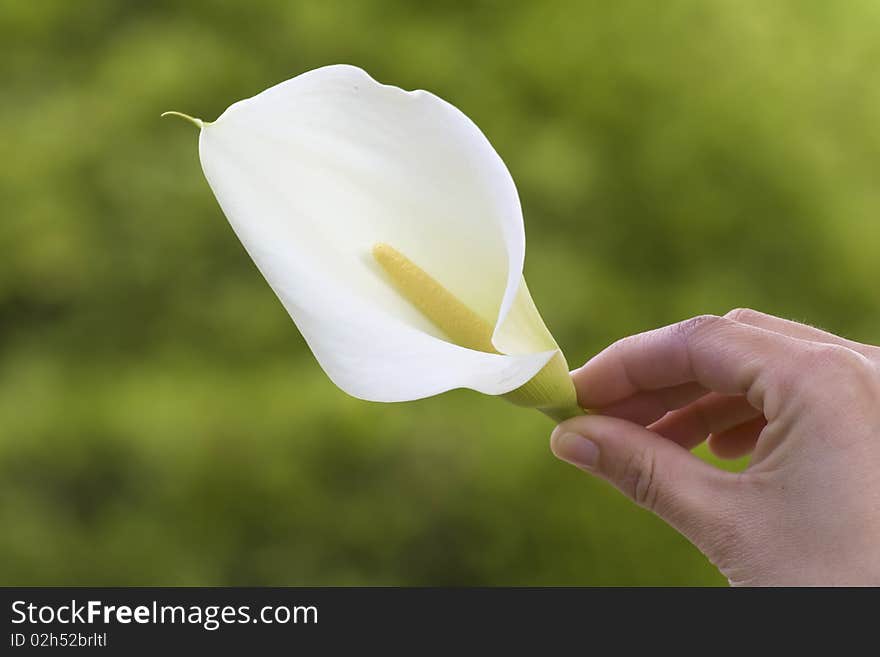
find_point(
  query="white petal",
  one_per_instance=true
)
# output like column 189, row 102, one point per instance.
column 314, row 171
column 522, row 329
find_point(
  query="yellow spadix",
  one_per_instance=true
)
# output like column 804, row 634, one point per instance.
column 550, row 390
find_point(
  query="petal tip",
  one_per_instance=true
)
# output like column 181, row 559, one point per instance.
column 196, row 122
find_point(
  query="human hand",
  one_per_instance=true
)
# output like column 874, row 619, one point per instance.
column 804, row 403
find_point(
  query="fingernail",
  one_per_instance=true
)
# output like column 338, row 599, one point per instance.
column 577, row 450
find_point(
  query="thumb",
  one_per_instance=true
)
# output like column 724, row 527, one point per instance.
column 656, row 473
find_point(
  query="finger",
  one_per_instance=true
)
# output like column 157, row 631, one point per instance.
column 737, row 441
column 718, row 353
column 796, row 330
column 655, row 473
column 714, row 413
column 650, row 405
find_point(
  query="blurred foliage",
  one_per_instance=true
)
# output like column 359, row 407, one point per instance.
column 161, row 421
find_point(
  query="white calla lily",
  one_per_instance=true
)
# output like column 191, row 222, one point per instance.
column 392, row 233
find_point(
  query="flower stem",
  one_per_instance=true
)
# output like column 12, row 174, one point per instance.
column 550, row 391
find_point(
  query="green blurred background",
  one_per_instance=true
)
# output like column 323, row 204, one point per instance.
column 161, row 420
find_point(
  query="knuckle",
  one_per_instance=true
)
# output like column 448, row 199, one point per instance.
column 859, row 374
column 743, row 315
column 638, row 479
column 830, row 363
column 622, row 344
column 835, row 360
column 689, row 328
column 625, row 347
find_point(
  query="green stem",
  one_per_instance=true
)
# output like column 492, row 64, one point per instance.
column 550, row 391
column 560, row 414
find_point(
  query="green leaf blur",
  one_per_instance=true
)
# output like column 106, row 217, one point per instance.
column 161, row 420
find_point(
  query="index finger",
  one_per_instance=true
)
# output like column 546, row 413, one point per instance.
column 718, row 353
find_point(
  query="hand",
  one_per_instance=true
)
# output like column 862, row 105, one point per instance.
column 804, row 403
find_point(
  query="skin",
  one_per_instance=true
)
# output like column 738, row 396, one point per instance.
column 804, row 403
